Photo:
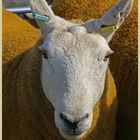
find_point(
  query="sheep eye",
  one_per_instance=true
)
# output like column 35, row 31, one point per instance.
column 45, row 55
column 106, row 58
column 107, row 55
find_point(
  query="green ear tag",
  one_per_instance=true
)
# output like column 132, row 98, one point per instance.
column 109, row 28
column 40, row 17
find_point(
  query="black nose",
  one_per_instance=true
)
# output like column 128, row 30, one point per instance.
column 72, row 124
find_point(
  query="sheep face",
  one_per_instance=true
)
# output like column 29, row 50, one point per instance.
column 74, row 64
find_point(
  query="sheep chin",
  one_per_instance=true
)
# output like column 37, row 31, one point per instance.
column 72, row 137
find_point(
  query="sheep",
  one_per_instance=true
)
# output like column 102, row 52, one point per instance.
column 20, row 117
column 12, row 3
column 28, row 114
column 18, row 3
column 124, row 62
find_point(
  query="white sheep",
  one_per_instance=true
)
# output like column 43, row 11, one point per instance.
column 18, row 3
column 72, row 73
column 11, row 3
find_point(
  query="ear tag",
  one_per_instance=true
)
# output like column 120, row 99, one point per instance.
column 40, row 17
column 109, row 28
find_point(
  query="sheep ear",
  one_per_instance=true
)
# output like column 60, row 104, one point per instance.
column 111, row 21
column 41, row 7
column 44, row 16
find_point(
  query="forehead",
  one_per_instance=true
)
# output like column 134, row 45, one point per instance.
column 76, row 37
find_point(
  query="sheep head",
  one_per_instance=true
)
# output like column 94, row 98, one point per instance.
column 74, row 64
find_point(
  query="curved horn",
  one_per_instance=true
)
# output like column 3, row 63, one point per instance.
column 111, row 21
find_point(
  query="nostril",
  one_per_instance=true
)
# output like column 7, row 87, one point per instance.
column 69, row 123
column 63, row 116
column 87, row 115
column 84, row 117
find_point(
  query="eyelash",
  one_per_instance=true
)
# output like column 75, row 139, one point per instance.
column 45, row 55
column 106, row 58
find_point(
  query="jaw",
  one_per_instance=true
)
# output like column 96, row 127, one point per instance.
column 72, row 137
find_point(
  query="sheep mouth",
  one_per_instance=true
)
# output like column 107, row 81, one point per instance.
column 74, row 133
column 73, row 136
